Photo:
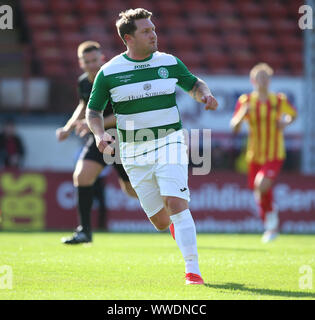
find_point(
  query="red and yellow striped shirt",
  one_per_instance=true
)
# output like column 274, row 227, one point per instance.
column 265, row 140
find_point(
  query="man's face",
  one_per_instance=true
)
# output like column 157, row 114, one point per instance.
column 144, row 39
column 91, row 62
column 261, row 80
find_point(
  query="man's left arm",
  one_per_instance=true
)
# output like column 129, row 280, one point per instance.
column 201, row 93
column 288, row 110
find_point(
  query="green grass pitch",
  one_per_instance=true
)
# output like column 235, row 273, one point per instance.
column 150, row 266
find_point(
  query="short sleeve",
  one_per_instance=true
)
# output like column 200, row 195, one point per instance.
column 186, row 79
column 100, row 94
column 285, row 106
column 240, row 102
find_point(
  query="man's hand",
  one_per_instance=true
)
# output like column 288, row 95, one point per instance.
column 210, row 101
column 62, row 134
column 81, row 128
column 103, row 143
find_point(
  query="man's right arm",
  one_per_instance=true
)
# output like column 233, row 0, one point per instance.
column 63, row 132
column 240, row 113
column 94, row 113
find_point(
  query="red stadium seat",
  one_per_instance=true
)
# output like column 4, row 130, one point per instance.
column 34, row 6
column 264, row 42
column 62, row 6
column 291, row 43
column 243, row 59
column 164, row 43
column 236, row 41
column 45, row 38
column 182, row 41
column 170, row 8
column 202, row 24
column 50, row 55
column 40, row 21
column 276, row 60
column 274, row 9
column 222, row 8
column 210, row 41
column 54, row 70
column 71, row 39
column 149, row 5
column 196, row 7
column 216, row 59
column 111, row 11
column 92, row 23
column 230, row 24
column 257, row 25
column 88, row 7
column 296, row 62
column 169, row 23
column 67, row 22
column 192, row 59
column 285, row 26
column 250, row 9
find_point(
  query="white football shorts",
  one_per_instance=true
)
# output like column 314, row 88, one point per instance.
column 161, row 172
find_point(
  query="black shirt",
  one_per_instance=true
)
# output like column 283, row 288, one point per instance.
column 85, row 88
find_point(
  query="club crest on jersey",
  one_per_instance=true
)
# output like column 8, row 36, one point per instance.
column 147, row 86
column 163, row 73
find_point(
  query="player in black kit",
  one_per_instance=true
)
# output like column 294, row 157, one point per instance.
column 90, row 163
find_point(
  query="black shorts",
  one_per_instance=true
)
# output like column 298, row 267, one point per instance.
column 90, row 152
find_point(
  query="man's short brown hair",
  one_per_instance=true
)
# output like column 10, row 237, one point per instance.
column 262, row 66
column 88, row 46
column 126, row 22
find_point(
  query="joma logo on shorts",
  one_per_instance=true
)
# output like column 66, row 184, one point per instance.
column 142, row 66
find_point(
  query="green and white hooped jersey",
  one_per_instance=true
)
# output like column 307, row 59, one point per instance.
column 142, row 94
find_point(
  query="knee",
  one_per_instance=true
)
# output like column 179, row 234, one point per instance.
column 81, row 178
column 162, row 225
column 161, row 221
column 262, row 187
column 175, row 205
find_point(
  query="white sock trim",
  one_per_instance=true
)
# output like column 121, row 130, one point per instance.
column 177, row 217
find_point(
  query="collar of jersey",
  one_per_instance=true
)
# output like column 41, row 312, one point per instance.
column 146, row 59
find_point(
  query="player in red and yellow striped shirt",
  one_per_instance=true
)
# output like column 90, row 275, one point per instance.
column 267, row 114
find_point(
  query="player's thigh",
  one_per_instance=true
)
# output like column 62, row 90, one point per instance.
column 172, row 176
column 172, row 180
column 253, row 169
column 267, row 174
column 86, row 172
column 145, row 185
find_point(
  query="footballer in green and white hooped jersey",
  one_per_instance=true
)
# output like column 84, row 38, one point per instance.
column 140, row 84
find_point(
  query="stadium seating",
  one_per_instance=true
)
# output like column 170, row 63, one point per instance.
column 218, row 37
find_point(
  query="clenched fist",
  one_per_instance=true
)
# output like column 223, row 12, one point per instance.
column 210, row 101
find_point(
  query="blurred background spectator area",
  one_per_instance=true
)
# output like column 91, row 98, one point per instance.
column 39, row 65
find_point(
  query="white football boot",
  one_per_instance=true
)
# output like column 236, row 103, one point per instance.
column 271, row 227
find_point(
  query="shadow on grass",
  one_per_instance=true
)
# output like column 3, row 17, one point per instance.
column 231, row 249
column 268, row 292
